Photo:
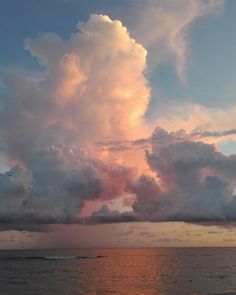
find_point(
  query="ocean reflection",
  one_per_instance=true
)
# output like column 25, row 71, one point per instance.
column 119, row 271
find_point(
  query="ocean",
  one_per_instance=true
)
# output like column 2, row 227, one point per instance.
column 144, row 271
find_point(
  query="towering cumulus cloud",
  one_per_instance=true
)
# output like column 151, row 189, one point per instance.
column 94, row 81
column 92, row 86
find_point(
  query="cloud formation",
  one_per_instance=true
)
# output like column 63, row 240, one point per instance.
column 161, row 136
column 195, row 182
column 162, row 27
column 92, row 87
column 192, row 182
column 53, row 190
column 212, row 125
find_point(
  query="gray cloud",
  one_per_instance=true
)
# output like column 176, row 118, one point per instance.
column 215, row 232
column 146, row 234
column 207, row 133
column 50, row 193
column 228, row 240
column 196, row 182
column 125, row 233
column 160, row 137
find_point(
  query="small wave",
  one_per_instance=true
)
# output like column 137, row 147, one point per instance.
column 70, row 257
column 52, row 257
column 60, row 257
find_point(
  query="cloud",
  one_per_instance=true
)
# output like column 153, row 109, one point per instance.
column 125, row 233
column 215, row 232
column 174, row 240
column 105, row 215
column 194, row 182
column 207, row 133
column 211, row 125
column 228, row 240
column 91, row 86
column 162, row 26
column 146, row 234
column 98, row 70
column 53, row 190
column 161, row 136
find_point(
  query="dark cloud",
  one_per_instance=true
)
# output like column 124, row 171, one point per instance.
column 228, row 240
column 105, row 215
column 215, row 232
column 169, row 240
column 162, row 137
column 195, row 181
column 125, row 233
column 146, row 234
column 207, row 133
column 113, row 145
column 53, row 191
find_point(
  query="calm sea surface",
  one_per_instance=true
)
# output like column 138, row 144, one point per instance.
column 119, row 271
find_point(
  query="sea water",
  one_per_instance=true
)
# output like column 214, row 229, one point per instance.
column 119, row 271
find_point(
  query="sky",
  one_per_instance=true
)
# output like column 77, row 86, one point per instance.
column 117, row 123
